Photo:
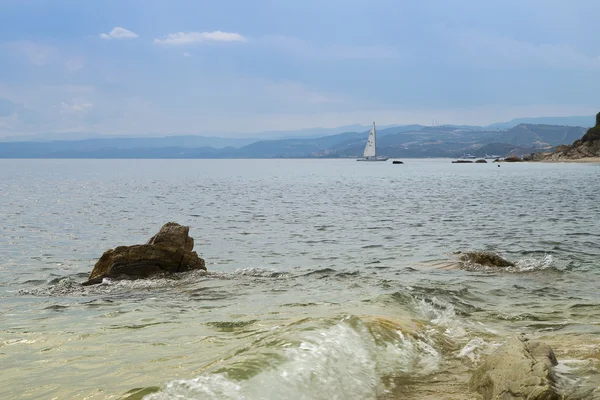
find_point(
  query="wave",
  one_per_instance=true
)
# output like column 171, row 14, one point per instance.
column 353, row 359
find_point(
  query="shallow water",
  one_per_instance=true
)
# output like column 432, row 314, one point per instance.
column 328, row 279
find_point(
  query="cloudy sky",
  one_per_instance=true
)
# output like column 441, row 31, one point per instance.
column 200, row 66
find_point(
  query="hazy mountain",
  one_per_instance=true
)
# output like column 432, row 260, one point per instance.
column 214, row 139
column 586, row 122
column 399, row 141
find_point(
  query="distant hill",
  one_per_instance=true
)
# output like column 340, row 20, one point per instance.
column 585, row 122
column 400, row 141
column 212, row 139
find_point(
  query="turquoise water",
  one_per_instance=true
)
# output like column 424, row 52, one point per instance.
column 327, row 279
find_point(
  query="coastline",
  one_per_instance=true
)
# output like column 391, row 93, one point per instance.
column 572, row 160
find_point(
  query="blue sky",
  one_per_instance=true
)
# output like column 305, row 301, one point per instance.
column 199, row 66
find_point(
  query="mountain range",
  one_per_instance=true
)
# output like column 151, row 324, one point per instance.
column 392, row 141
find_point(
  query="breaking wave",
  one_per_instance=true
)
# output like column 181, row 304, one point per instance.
column 352, row 359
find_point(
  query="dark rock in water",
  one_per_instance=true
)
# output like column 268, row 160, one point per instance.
column 513, row 159
column 397, row 162
column 174, row 234
column 482, row 161
column 517, row 370
column 462, row 162
column 485, row 258
column 169, row 251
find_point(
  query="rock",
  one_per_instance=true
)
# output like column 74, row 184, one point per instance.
column 169, row 251
column 173, row 233
column 528, row 157
column 593, row 133
column 462, row 162
column 586, row 147
column 517, row 370
column 397, row 162
column 485, row 258
column 513, row 159
column 482, row 161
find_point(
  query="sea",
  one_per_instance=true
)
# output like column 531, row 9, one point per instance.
column 327, row 279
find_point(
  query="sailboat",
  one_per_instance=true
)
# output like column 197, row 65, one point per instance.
column 369, row 153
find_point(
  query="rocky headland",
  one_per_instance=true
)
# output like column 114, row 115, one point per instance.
column 586, row 149
column 167, row 252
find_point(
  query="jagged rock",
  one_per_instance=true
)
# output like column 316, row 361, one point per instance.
column 169, row 251
column 485, row 258
column 173, row 233
column 517, row 370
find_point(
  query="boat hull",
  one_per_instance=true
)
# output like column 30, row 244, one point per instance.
column 373, row 159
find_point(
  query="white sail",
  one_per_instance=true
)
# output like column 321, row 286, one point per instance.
column 370, row 147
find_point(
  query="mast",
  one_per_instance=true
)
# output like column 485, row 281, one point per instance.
column 374, row 139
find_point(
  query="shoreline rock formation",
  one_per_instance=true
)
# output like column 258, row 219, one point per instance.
column 586, row 147
column 169, row 251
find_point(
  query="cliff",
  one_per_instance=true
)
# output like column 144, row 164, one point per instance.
column 586, row 147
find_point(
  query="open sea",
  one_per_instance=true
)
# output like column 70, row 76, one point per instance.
column 327, row 279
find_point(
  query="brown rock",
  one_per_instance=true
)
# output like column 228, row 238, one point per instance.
column 517, row 370
column 485, row 258
column 169, row 251
column 174, row 234
column 513, row 159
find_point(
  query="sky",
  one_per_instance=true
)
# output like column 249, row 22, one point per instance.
column 137, row 67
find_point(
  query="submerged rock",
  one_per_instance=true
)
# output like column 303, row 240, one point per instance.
column 485, row 258
column 169, row 251
column 517, row 370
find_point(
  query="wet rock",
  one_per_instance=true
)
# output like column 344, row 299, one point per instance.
column 173, row 234
column 517, row 370
column 485, row 258
column 169, row 251
column 481, row 161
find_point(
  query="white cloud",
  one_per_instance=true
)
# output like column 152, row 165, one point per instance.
column 119, row 33
column 75, row 108
column 183, row 38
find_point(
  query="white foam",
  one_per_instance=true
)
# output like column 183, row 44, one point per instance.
column 341, row 362
column 532, row 264
column 472, row 349
column 441, row 314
